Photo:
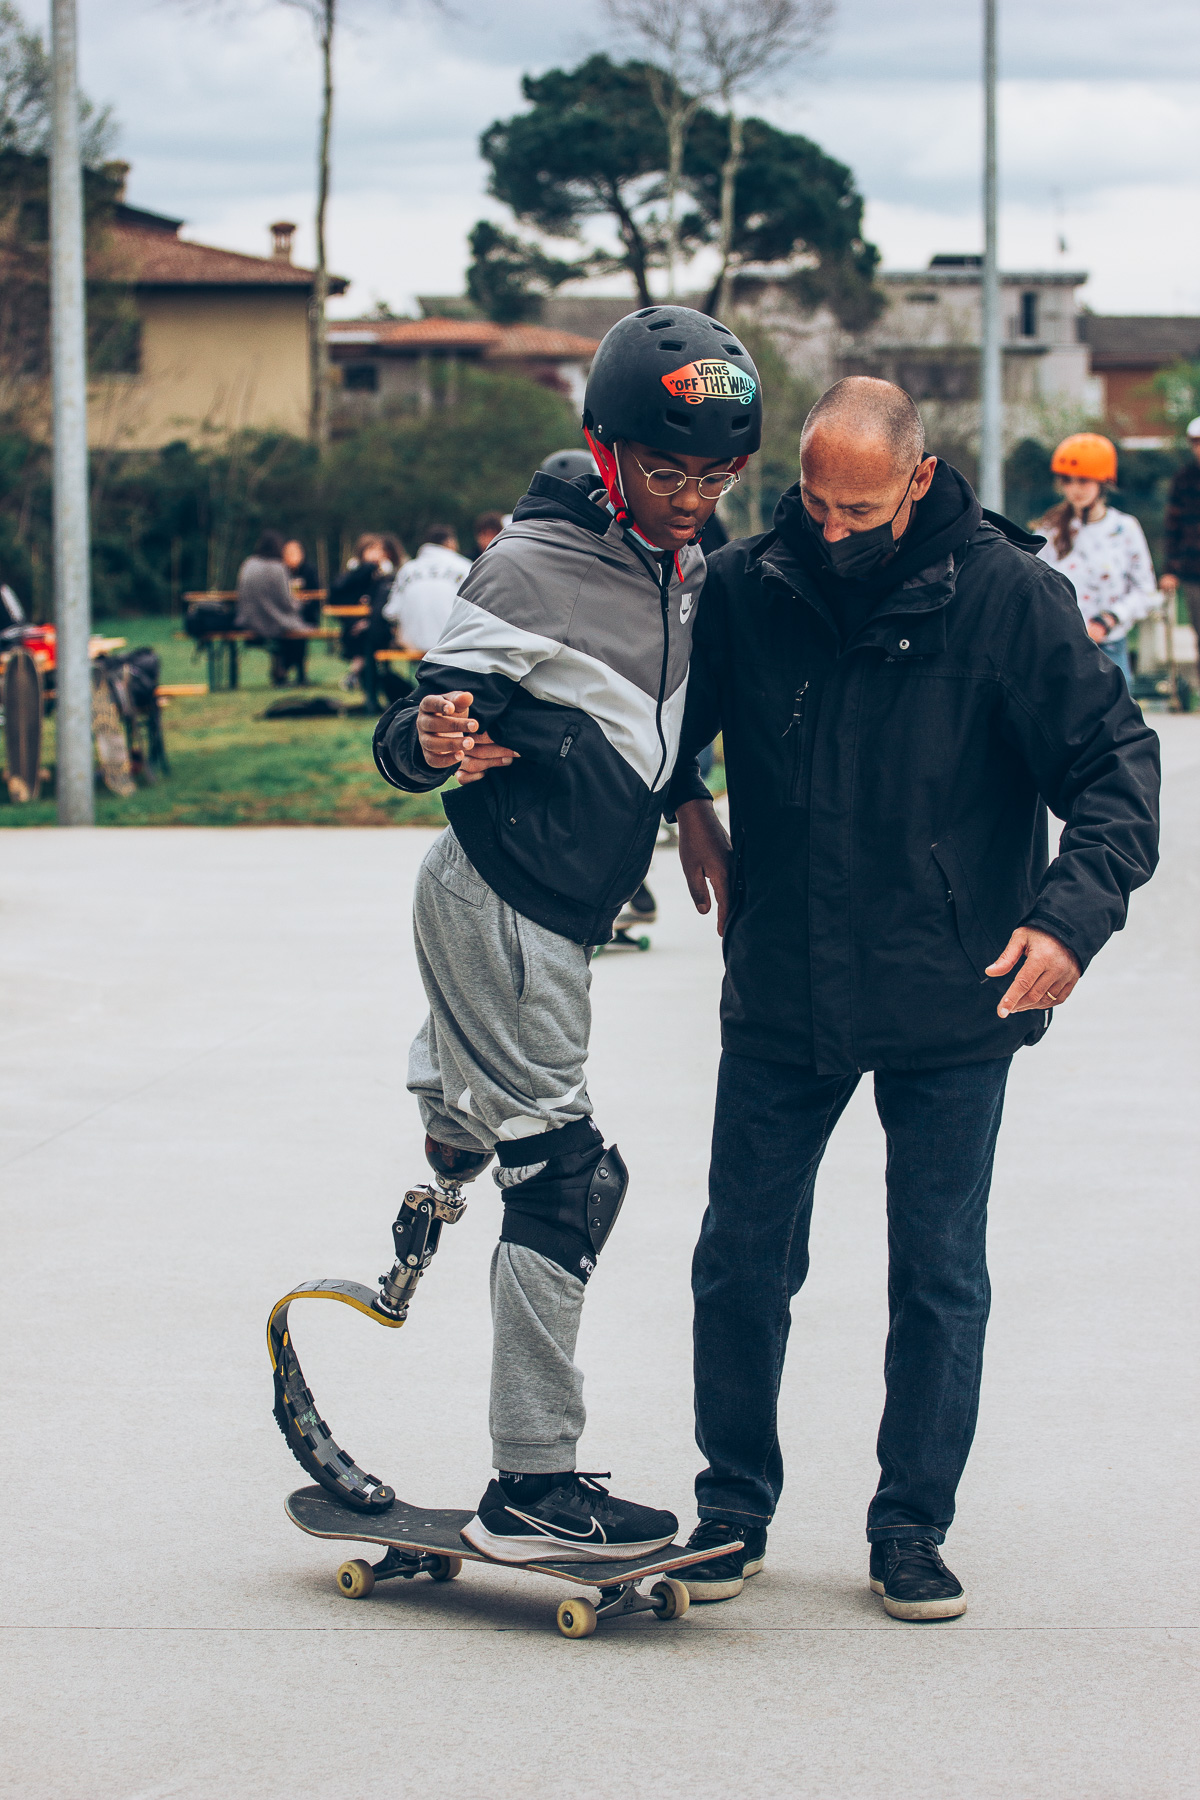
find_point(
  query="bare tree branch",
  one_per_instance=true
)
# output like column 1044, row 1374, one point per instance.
column 680, row 82
column 747, row 45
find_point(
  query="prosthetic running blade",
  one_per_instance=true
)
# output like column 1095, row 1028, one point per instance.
column 416, row 1234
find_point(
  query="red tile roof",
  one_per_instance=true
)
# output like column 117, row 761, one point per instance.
column 495, row 342
column 157, row 258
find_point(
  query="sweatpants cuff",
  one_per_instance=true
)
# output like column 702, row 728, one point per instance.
column 533, row 1459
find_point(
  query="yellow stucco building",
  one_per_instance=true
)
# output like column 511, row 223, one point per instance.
column 222, row 339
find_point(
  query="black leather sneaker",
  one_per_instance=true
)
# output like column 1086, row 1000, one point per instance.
column 914, row 1581
column 575, row 1520
column 725, row 1575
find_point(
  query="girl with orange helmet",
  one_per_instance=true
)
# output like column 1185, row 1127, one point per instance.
column 1102, row 552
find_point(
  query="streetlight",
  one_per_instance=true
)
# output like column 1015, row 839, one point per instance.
column 991, row 383
column 68, row 358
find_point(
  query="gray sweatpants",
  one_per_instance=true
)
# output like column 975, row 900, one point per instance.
column 500, row 1057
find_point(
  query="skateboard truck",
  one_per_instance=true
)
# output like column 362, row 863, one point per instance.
column 417, row 1231
column 416, row 1234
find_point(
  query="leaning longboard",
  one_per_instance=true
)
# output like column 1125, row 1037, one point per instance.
column 427, row 1540
column 22, row 727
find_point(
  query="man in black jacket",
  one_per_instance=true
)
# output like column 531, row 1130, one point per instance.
column 903, row 688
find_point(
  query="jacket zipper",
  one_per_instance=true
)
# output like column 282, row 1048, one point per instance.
column 795, row 728
column 664, row 597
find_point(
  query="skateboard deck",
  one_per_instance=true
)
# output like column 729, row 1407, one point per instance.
column 22, row 727
column 426, row 1540
column 112, row 746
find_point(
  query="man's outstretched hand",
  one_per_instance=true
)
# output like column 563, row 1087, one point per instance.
column 1047, row 976
column 705, row 852
column 448, row 735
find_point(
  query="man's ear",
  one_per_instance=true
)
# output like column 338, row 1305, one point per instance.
column 923, row 477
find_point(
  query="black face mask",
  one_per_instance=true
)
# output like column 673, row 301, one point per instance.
column 863, row 553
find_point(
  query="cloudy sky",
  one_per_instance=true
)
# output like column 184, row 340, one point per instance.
column 1099, row 124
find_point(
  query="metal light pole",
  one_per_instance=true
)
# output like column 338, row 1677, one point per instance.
column 991, row 381
column 72, row 588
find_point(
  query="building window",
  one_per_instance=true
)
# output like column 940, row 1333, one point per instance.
column 921, row 297
column 1029, row 315
column 361, row 378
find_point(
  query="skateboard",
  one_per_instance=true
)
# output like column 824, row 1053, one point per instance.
column 22, row 727
column 427, row 1541
column 112, row 746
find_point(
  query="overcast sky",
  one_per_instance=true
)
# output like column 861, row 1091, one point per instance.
column 1099, row 127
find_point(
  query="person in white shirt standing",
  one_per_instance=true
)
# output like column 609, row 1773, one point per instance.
column 1102, row 552
column 424, row 591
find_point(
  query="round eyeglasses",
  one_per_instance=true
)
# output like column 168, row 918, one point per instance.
column 664, row 482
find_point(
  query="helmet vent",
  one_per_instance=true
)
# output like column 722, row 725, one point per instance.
column 645, row 312
column 660, row 324
column 733, row 350
column 680, row 420
column 671, row 344
column 741, row 424
column 721, row 328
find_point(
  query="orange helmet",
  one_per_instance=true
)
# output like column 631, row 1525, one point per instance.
column 1087, row 456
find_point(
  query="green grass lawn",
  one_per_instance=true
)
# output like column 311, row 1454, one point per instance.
column 229, row 766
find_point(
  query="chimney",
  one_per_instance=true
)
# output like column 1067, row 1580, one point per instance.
column 282, row 233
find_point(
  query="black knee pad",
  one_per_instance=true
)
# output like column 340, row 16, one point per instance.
column 566, row 1211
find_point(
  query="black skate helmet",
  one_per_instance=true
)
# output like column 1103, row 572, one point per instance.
column 569, row 464
column 675, row 379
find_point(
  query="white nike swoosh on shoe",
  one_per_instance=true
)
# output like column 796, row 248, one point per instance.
column 547, row 1549
column 560, row 1531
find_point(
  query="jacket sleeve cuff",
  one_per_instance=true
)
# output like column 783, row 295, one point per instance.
column 1041, row 920
column 686, row 784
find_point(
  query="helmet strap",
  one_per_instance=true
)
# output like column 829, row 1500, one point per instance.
column 610, row 475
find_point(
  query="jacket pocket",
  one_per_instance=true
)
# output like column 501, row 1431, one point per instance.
column 972, row 934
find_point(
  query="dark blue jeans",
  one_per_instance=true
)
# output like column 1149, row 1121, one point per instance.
column 772, row 1124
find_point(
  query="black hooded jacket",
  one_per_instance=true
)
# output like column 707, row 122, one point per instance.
column 890, row 749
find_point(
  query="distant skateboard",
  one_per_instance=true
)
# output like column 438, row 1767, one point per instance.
column 112, row 746
column 426, row 1541
column 629, row 926
column 22, row 727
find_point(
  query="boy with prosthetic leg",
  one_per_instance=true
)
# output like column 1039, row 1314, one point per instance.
column 556, row 692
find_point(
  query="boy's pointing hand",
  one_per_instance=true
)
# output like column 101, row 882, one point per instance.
column 445, row 729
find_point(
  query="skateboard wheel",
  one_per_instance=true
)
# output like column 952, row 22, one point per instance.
column 447, row 1567
column 577, row 1618
column 643, row 943
column 356, row 1579
column 671, row 1599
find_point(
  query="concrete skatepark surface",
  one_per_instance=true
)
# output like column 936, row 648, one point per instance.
column 204, row 1036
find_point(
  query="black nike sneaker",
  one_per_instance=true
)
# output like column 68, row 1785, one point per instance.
column 724, row 1576
column 914, row 1581
column 573, row 1520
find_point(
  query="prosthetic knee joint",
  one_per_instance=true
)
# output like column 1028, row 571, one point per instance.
column 418, row 1227
column 566, row 1209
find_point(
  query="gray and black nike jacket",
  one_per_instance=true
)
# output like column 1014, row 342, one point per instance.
column 574, row 641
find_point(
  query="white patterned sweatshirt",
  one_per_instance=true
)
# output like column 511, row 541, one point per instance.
column 1110, row 568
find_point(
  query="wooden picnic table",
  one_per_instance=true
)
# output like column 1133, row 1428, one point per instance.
column 97, row 646
column 357, row 611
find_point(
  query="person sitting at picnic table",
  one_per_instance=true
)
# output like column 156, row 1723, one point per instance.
column 303, row 577
column 367, row 581
column 265, row 606
column 424, row 591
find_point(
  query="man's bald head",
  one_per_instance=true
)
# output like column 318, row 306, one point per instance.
column 867, row 411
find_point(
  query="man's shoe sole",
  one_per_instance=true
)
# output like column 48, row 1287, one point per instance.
column 914, row 1611
column 728, row 1589
column 538, row 1549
